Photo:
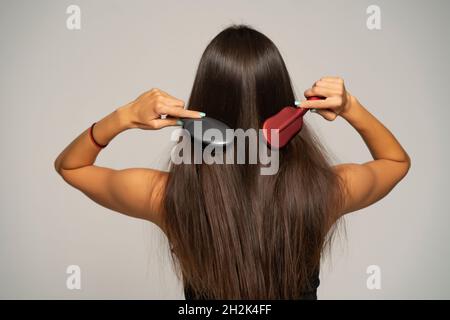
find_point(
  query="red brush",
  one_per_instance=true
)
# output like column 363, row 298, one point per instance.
column 288, row 121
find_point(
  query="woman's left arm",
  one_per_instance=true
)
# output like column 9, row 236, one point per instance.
column 137, row 192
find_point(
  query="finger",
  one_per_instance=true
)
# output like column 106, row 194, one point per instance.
column 165, row 97
column 328, row 103
column 326, row 114
column 171, row 101
column 317, row 104
column 332, row 79
column 177, row 102
column 180, row 112
column 327, row 84
column 321, row 91
column 161, row 123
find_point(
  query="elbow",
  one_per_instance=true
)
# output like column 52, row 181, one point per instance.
column 408, row 162
column 62, row 172
column 406, row 166
column 57, row 166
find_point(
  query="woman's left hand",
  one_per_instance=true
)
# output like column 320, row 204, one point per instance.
column 336, row 99
column 145, row 112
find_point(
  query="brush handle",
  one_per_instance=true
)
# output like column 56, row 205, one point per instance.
column 298, row 113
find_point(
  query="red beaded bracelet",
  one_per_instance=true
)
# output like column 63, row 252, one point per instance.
column 91, row 134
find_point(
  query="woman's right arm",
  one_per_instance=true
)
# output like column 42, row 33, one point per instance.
column 368, row 182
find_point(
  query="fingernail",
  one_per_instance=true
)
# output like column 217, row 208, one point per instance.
column 202, row 114
column 297, row 103
column 180, row 122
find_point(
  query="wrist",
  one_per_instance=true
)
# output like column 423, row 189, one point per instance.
column 354, row 113
column 126, row 116
column 349, row 107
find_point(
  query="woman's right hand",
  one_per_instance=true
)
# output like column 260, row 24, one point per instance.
column 337, row 100
column 145, row 112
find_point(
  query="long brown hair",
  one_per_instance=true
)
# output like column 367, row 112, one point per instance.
column 234, row 233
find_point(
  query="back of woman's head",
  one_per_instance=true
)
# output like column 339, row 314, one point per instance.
column 234, row 233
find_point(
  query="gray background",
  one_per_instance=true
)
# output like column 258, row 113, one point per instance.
column 56, row 82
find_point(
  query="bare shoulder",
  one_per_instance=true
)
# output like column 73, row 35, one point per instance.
column 369, row 182
column 357, row 181
column 155, row 182
column 145, row 191
column 136, row 192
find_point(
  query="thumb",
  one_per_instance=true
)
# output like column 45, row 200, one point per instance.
column 326, row 114
column 161, row 123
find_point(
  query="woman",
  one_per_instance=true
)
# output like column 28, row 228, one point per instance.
column 234, row 233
